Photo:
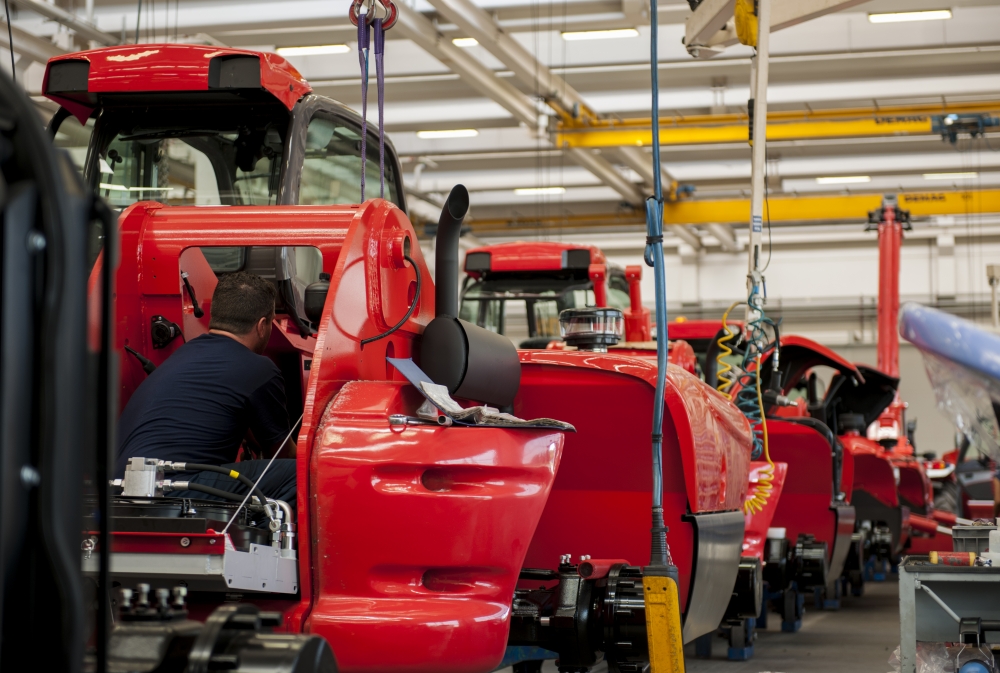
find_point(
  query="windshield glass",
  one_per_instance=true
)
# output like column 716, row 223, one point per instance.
column 212, row 155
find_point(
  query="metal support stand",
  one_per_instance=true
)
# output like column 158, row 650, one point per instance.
column 793, row 606
column 703, row 645
column 875, row 569
column 823, row 600
column 742, row 633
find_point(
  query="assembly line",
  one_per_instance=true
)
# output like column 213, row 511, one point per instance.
column 275, row 399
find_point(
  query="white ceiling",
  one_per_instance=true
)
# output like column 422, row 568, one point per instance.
column 839, row 60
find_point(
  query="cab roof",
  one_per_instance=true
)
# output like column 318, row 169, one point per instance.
column 522, row 256
column 78, row 80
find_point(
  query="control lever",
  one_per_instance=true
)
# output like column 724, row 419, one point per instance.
column 198, row 312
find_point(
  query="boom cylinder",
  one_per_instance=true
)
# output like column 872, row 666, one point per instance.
column 890, row 237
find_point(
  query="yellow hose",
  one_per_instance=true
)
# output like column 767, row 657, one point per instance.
column 722, row 367
column 762, row 491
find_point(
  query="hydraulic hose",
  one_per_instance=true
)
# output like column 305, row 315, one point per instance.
column 201, row 488
column 243, row 479
column 653, row 256
column 413, row 306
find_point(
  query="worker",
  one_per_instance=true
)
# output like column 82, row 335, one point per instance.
column 214, row 393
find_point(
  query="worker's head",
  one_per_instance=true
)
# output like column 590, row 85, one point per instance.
column 243, row 305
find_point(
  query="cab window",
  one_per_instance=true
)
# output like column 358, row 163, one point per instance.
column 74, row 137
column 331, row 168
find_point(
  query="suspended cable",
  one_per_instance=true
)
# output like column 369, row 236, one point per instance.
column 138, row 20
column 653, row 256
column 10, row 40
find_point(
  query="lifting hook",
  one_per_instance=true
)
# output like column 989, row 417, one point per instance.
column 375, row 9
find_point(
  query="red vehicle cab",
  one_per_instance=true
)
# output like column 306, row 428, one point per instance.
column 196, row 125
column 518, row 289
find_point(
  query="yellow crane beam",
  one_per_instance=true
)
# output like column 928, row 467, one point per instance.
column 787, row 209
column 787, row 125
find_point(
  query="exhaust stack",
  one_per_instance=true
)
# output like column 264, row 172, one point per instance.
column 446, row 251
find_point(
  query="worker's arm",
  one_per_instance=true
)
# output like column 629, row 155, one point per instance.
column 996, row 496
column 269, row 418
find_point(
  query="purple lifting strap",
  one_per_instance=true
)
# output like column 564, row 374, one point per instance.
column 363, row 41
column 380, row 78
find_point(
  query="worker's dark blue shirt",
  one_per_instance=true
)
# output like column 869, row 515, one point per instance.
column 198, row 405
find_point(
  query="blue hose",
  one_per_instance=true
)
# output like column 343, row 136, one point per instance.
column 653, row 256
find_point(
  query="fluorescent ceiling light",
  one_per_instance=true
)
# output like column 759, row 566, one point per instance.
column 600, row 34
column 122, row 188
column 452, row 133
column 528, row 191
column 465, row 42
column 843, row 179
column 318, row 50
column 899, row 17
column 949, row 176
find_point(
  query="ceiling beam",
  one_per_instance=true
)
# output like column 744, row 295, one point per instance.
column 725, row 235
column 538, row 77
column 642, row 163
column 782, row 209
column 688, row 235
column 83, row 29
column 419, row 29
column 30, row 47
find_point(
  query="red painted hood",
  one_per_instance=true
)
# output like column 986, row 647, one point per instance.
column 531, row 256
column 159, row 68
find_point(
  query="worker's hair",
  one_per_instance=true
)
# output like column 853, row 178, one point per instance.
column 240, row 300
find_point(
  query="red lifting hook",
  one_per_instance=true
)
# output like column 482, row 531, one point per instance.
column 386, row 6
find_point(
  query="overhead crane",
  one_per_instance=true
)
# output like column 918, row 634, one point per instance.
column 870, row 122
column 778, row 209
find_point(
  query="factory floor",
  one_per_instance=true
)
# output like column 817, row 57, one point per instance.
column 860, row 638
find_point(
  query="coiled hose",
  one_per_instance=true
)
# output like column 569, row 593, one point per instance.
column 749, row 399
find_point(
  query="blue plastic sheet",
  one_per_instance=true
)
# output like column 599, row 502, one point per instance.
column 963, row 364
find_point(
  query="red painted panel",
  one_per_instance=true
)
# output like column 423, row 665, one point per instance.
column 757, row 524
column 804, row 506
column 420, row 532
column 131, row 542
column 600, row 504
column 533, row 255
column 172, row 67
column 913, row 482
column 872, row 469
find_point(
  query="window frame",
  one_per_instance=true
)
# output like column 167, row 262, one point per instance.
column 312, row 106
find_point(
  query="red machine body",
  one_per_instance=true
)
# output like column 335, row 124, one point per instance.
column 601, row 495
column 397, row 523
